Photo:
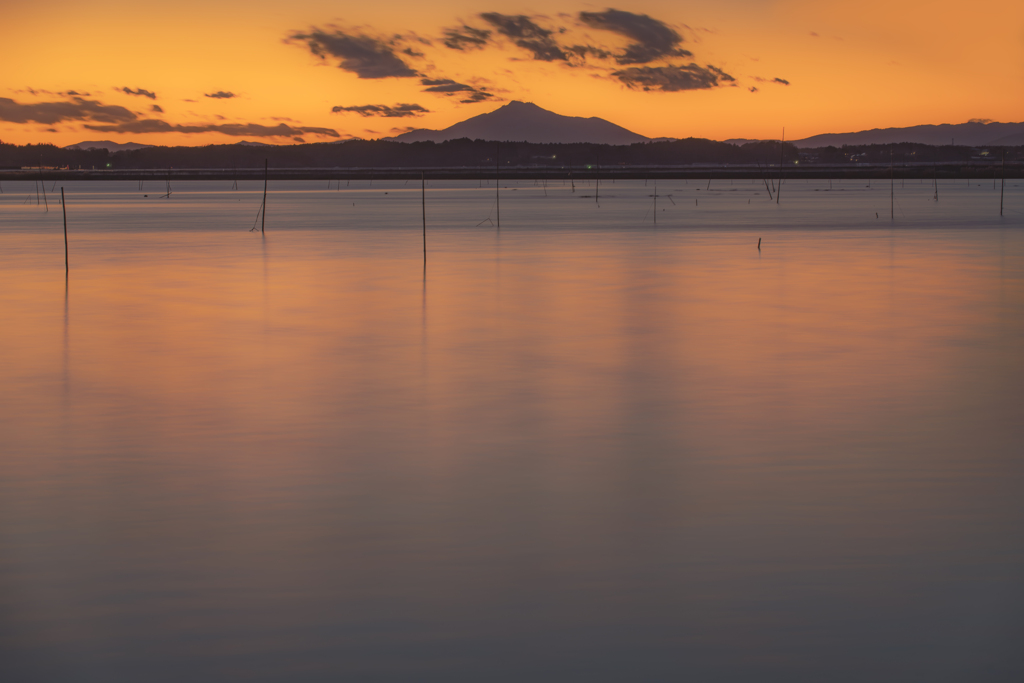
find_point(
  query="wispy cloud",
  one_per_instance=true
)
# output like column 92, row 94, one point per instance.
column 220, row 95
column 157, row 108
column 142, row 92
column 448, row 87
column 78, row 109
column 528, row 35
column 780, row 81
column 235, row 129
column 365, row 56
column 396, row 112
column 466, row 38
column 672, row 78
column 652, row 39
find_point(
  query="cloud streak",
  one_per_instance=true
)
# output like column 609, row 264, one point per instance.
column 142, row 92
column 526, row 34
column 78, row 109
column 142, row 126
column 396, row 112
column 363, row 55
column 448, row 87
column 652, row 39
column 220, row 95
column 466, row 38
column 672, row 78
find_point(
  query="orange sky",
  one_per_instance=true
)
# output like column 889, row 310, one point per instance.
column 849, row 66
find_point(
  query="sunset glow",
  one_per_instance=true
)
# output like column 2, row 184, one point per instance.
column 210, row 73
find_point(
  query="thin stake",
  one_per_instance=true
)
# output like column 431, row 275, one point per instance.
column 43, row 183
column 597, row 182
column 1002, row 184
column 759, row 244
column 423, row 201
column 497, row 175
column 892, row 189
column 782, row 151
column 655, row 202
column 64, row 206
column 263, row 219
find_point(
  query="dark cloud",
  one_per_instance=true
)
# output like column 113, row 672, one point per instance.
column 78, row 109
column 220, row 95
column 158, row 108
column 783, row 81
column 653, row 39
column 360, row 54
column 980, row 121
column 236, row 129
column 139, row 91
column 583, row 51
column 527, row 35
column 672, row 78
column 477, row 96
column 466, row 38
column 446, row 86
column 396, row 112
column 753, row 88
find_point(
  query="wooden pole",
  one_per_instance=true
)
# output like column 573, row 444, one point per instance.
column 263, row 215
column 597, row 182
column 1002, row 184
column 423, row 201
column 782, row 152
column 65, row 208
column 655, row 202
column 892, row 188
column 497, row 175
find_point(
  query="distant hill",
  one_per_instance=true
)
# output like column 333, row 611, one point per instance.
column 107, row 145
column 525, row 121
column 971, row 134
column 247, row 143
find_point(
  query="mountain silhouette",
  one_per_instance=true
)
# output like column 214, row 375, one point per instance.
column 971, row 134
column 525, row 121
column 107, row 145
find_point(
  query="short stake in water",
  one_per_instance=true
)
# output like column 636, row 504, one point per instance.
column 263, row 220
column 1002, row 183
column 65, row 208
column 423, row 200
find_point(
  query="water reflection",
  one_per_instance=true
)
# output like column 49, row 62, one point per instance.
column 574, row 454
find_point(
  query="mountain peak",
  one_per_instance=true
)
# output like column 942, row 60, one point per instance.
column 525, row 121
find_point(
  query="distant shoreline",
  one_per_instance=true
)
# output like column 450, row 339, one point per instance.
column 948, row 170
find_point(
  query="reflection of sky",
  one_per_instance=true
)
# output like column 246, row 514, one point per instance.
column 594, row 452
column 847, row 69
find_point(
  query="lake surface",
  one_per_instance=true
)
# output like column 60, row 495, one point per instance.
column 583, row 447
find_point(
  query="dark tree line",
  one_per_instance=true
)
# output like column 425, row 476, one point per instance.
column 480, row 153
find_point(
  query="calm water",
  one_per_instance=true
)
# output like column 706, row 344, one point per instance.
column 584, row 448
